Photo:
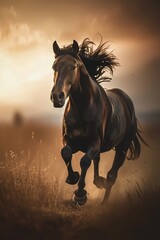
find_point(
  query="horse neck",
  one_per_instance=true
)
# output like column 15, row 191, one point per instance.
column 82, row 91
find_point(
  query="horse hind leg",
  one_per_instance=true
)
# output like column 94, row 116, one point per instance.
column 120, row 156
column 99, row 181
column 73, row 177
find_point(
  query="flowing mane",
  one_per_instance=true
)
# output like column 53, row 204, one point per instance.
column 97, row 62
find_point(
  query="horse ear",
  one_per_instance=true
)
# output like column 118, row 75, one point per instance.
column 75, row 46
column 56, row 49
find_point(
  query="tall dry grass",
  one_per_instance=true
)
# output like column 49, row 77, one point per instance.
column 31, row 183
column 32, row 202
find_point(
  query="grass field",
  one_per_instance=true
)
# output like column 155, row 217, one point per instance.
column 35, row 201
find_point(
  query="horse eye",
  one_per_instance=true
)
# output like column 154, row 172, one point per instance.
column 74, row 67
column 54, row 67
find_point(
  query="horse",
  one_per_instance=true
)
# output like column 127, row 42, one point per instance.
column 95, row 120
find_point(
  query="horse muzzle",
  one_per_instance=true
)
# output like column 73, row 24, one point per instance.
column 58, row 99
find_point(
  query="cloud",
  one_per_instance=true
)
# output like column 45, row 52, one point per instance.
column 15, row 34
column 113, row 19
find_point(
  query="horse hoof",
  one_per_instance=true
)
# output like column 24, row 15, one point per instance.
column 100, row 182
column 80, row 199
column 73, row 179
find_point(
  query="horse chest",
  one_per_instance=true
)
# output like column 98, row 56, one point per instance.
column 77, row 130
column 78, row 133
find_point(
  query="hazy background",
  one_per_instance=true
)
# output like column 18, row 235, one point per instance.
column 28, row 29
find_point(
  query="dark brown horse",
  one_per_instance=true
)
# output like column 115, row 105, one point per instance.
column 95, row 120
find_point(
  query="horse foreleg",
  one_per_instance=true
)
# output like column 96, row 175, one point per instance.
column 81, row 194
column 66, row 154
column 113, row 172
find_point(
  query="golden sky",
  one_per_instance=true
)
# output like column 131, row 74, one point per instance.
column 28, row 28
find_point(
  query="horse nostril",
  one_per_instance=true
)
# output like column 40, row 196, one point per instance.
column 60, row 96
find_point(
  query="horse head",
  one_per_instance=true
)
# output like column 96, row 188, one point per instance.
column 66, row 71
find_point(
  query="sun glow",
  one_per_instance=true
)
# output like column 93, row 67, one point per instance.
column 9, row 77
column 17, row 71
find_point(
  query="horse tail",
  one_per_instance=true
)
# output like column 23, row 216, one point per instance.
column 135, row 147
